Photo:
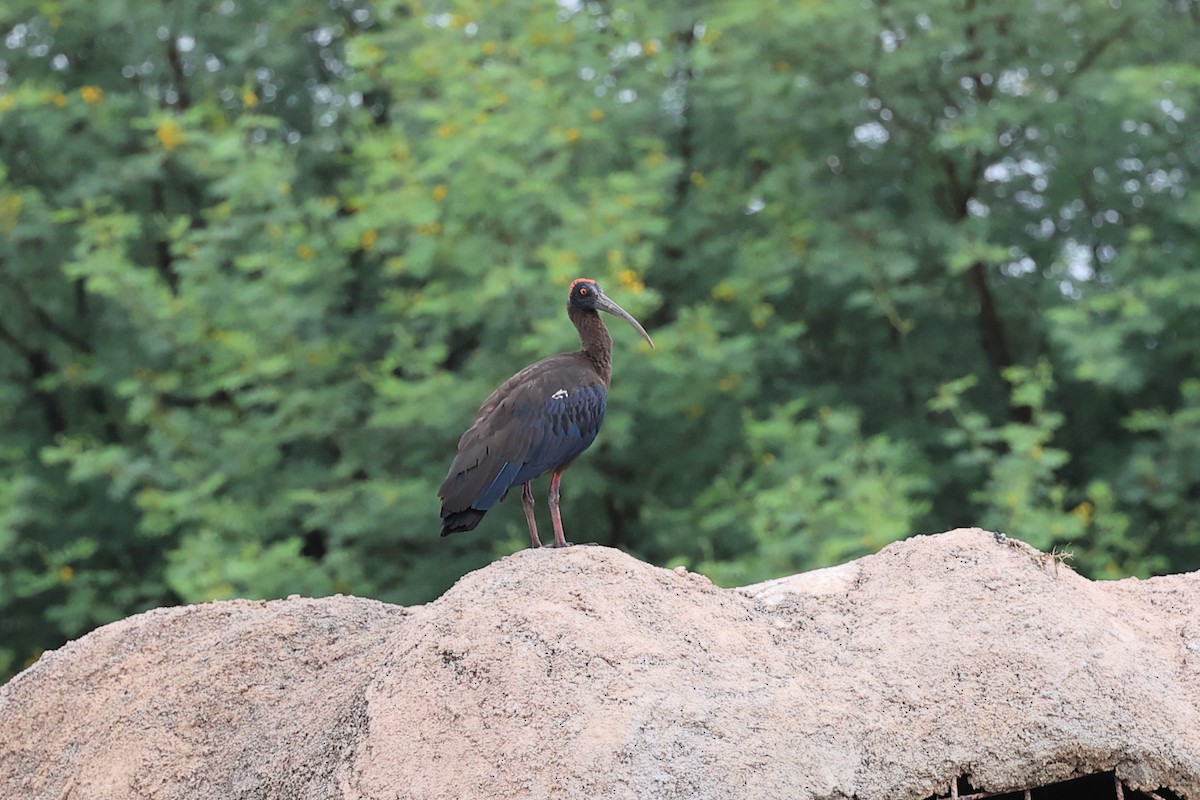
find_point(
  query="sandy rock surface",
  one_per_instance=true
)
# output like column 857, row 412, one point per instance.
column 584, row 673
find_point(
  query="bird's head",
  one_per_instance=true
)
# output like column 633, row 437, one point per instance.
column 586, row 295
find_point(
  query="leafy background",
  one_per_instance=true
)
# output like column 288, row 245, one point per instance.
column 909, row 266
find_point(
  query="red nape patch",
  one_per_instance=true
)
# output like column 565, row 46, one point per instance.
column 577, row 281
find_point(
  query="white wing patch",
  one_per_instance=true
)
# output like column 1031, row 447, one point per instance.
column 559, row 395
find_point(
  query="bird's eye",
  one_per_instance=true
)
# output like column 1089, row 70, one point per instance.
column 583, row 291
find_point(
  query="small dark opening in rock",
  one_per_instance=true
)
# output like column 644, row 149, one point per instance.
column 1101, row 786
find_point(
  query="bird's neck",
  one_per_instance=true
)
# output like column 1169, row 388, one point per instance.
column 595, row 343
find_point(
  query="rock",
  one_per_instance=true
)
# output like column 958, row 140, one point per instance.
column 584, row 673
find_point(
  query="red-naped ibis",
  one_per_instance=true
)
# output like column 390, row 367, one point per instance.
column 538, row 421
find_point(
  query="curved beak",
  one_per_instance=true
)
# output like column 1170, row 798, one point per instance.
column 605, row 304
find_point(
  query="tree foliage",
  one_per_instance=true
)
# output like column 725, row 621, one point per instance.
column 908, row 266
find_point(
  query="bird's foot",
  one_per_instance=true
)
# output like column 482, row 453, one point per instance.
column 563, row 543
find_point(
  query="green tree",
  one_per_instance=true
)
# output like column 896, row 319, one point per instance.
column 907, row 266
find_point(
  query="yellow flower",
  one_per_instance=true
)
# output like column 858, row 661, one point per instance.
column 249, row 98
column 652, row 47
column 724, row 292
column 698, row 179
column 446, row 130
column 572, row 134
column 596, row 115
column 10, row 211
column 92, row 95
column 761, row 314
column 439, row 192
column 368, row 238
column 169, row 134
column 59, row 99
column 631, row 281
column 490, row 48
column 74, row 374
column 305, row 252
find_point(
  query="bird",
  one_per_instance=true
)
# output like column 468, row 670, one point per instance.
column 537, row 421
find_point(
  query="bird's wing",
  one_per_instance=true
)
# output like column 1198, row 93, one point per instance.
column 567, row 422
column 539, row 419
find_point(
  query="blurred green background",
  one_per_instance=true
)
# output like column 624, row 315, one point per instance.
column 909, row 266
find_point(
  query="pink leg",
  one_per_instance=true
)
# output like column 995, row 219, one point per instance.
column 559, row 539
column 527, row 503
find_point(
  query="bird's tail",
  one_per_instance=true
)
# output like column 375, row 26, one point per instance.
column 456, row 521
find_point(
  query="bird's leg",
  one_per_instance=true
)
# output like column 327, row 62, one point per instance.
column 527, row 504
column 559, row 539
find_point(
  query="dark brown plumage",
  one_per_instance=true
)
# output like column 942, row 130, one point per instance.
column 537, row 421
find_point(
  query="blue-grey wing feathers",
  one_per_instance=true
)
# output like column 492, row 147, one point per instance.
column 541, row 419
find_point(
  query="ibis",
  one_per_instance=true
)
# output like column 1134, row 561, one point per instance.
column 537, row 421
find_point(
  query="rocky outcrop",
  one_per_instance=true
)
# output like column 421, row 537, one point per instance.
column 584, row 673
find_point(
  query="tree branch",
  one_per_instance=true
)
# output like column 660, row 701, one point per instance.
column 43, row 317
column 39, row 367
column 1093, row 53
